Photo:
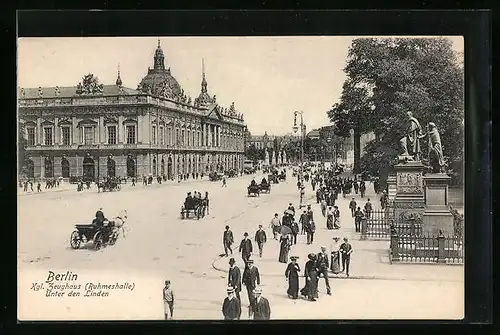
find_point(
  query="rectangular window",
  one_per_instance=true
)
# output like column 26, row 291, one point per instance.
column 48, row 135
column 199, row 138
column 112, row 135
column 193, row 140
column 153, row 134
column 130, row 131
column 183, row 137
column 31, row 136
column 66, row 135
column 177, row 137
column 189, row 138
column 162, row 136
column 88, row 135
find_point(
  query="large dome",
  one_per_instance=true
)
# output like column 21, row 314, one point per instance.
column 159, row 81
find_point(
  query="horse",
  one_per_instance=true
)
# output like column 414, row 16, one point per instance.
column 120, row 220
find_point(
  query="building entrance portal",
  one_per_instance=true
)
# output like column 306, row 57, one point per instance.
column 111, row 167
column 130, row 167
column 88, row 169
column 65, row 168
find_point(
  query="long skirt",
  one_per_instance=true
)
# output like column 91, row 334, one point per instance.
column 329, row 222
column 283, row 257
column 335, row 263
column 336, row 223
column 293, row 286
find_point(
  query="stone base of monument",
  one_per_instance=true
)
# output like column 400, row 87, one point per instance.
column 437, row 216
column 409, row 198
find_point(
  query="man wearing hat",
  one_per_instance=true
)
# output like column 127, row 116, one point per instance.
column 261, row 309
column 384, row 199
column 322, row 264
column 352, row 206
column 246, row 248
column 303, row 222
column 260, row 239
column 368, row 208
column 358, row 217
column 168, row 301
column 346, row 250
column 231, row 307
column 227, row 240
column 234, row 278
column 251, row 278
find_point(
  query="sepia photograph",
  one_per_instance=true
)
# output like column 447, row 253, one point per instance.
column 236, row 178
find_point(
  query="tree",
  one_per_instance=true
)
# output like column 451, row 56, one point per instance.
column 387, row 78
column 89, row 85
column 254, row 154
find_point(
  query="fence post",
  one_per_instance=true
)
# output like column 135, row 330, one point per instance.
column 441, row 248
column 364, row 228
column 394, row 245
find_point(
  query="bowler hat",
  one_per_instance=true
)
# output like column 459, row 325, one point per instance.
column 230, row 289
column 257, row 290
column 232, row 261
column 311, row 256
column 246, row 234
column 227, row 227
column 250, row 261
column 294, row 258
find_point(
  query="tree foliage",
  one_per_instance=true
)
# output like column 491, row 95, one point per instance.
column 387, row 77
column 89, row 85
column 254, row 154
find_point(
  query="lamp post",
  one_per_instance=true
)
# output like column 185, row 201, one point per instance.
column 295, row 129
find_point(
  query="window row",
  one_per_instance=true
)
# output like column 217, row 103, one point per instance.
column 87, row 135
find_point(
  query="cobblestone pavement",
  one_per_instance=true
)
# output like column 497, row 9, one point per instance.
column 159, row 245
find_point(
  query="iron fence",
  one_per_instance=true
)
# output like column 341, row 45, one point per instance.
column 426, row 249
column 377, row 225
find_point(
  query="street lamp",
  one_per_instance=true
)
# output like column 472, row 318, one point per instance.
column 302, row 134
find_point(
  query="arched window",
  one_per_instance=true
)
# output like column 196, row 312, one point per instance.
column 130, row 167
column 154, row 167
column 30, row 169
column 111, row 167
column 162, row 167
column 49, row 168
column 65, row 168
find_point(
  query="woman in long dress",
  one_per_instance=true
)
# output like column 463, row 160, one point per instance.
column 335, row 252
column 311, row 274
column 292, row 276
column 284, row 248
column 329, row 218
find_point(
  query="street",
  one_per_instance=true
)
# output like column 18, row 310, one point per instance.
column 159, row 245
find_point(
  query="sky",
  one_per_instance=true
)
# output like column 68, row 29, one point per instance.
column 268, row 78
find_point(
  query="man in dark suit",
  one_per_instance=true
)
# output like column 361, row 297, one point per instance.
column 251, row 278
column 231, row 307
column 346, row 250
column 261, row 308
column 260, row 238
column 323, row 262
column 227, row 240
column 246, row 248
column 234, row 278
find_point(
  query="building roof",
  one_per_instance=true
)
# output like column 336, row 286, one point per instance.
column 313, row 133
column 70, row 91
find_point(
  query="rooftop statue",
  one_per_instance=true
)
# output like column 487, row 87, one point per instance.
column 40, row 92
column 89, row 85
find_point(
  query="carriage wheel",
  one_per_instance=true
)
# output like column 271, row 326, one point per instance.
column 112, row 239
column 182, row 215
column 75, row 240
column 98, row 241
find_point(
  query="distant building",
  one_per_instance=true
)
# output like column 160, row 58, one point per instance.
column 268, row 141
column 93, row 130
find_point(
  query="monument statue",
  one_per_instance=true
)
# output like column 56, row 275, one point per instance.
column 436, row 159
column 412, row 140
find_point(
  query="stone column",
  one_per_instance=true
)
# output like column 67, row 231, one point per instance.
column 74, row 130
column 121, row 131
column 39, row 131
column 102, row 131
column 57, row 134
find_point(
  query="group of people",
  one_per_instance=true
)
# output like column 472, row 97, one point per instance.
column 192, row 200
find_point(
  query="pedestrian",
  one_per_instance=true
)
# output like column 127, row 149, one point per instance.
column 346, row 250
column 168, row 301
column 358, row 217
column 261, row 309
column 335, row 255
column 39, row 187
column 246, row 248
column 224, row 181
column 260, row 239
column 323, row 265
column 329, row 218
column 285, row 244
column 356, row 186
column 231, row 307
column 336, row 217
column 295, row 232
column 234, row 278
column 362, row 188
column 292, row 276
column 251, row 278
column 275, row 225
column 291, row 208
column 227, row 241
column 303, row 222
column 368, row 208
column 352, row 206
column 310, row 213
column 310, row 290
column 310, row 230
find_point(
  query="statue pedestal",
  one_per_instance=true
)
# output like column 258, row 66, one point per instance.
column 391, row 189
column 437, row 215
column 409, row 198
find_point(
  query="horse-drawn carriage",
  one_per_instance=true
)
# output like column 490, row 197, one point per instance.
column 273, row 178
column 109, row 184
column 215, row 176
column 100, row 235
column 195, row 207
column 265, row 187
column 253, row 189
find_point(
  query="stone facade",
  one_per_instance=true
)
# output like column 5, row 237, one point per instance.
column 123, row 132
